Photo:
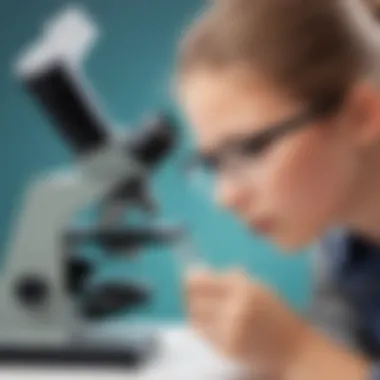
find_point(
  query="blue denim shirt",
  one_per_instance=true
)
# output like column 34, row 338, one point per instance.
column 355, row 264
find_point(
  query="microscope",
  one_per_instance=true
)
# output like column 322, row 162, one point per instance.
column 49, row 306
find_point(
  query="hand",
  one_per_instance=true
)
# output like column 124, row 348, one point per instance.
column 245, row 321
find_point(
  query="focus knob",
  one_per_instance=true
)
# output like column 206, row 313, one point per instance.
column 32, row 291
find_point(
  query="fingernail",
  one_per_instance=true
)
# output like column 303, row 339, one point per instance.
column 196, row 271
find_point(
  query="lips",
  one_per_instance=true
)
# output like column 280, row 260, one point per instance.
column 263, row 226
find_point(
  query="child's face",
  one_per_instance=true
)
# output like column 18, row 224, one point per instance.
column 294, row 189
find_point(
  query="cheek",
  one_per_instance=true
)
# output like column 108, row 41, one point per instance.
column 307, row 181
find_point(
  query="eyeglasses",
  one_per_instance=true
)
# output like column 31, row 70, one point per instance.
column 238, row 154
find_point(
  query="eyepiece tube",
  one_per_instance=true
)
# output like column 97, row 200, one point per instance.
column 155, row 140
column 69, row 107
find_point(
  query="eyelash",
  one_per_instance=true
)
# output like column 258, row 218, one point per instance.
column 258, row 146
column 212, row 163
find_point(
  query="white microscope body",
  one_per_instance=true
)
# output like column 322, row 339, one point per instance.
column 37, row 311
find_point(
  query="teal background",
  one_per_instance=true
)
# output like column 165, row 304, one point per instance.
column 130, row 69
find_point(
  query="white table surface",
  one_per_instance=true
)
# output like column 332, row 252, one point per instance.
column 184, row 356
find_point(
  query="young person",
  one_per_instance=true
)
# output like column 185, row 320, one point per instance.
column 283, row 97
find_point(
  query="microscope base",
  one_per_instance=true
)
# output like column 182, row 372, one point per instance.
column 102, row 350
column 72, row 357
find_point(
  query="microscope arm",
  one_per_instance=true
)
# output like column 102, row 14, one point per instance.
column 48, row 208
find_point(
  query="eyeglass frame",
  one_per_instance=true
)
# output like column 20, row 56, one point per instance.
column 252, row 144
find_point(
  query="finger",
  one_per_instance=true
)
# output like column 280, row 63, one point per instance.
column 197, row 270
column 231, row 283
column 236, row 311
column 238, row 326
column 203, row 308
column 237, row 271
column 211, row 320
column 199, row 274
column 203, row 283
column 236, row 274
column 209, row 330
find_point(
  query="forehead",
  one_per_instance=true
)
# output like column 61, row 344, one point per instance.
column 220, row 105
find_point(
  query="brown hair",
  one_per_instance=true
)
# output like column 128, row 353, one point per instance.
column 311, row 48
column 374, row 6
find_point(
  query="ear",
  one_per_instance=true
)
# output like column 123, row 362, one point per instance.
column 362, row 116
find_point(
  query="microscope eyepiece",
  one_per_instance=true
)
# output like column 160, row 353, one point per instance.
column 69, row 107
column 49, row 68
column 154, row 140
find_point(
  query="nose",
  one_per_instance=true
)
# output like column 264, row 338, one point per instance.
column 231, row 195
